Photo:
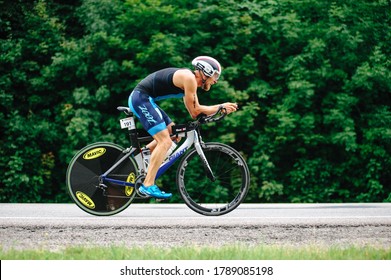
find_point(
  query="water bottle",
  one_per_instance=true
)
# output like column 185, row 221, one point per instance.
column 171, row 149
column 146, row 155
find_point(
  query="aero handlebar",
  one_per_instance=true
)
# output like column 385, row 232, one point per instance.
column 219, row 115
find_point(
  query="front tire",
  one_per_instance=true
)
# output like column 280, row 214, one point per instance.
column 226, row 192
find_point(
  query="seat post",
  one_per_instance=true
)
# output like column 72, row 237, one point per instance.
column 133, row 135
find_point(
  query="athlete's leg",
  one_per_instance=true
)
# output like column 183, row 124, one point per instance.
column 163, row 143
column 155, row 121
column 176, row 139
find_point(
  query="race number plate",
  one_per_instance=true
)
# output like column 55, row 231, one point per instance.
column 128, row 123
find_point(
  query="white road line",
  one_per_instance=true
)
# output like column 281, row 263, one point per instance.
column 192, row 218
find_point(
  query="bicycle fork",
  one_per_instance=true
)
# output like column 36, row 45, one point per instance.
column 198, row 146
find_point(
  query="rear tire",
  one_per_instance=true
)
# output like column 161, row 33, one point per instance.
column 83, row 184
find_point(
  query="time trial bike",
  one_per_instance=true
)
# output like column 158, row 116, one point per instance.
column 212, row 178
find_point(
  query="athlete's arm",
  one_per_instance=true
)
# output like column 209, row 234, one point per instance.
column 186, row 79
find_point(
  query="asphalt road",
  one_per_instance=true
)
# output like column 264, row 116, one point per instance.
column 56, row 226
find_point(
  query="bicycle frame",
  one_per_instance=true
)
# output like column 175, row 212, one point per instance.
column 192, row 138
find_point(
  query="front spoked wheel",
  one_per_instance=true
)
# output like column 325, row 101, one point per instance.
column 231, row 180
column 84, row 184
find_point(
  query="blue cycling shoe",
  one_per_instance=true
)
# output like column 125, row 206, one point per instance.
column 154, row 191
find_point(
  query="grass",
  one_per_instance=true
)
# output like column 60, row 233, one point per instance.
column 232, row 252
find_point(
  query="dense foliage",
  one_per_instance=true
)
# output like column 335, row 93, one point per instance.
column 312, row 79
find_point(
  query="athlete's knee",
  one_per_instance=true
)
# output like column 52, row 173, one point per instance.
column 174, row 138
column 169, row 127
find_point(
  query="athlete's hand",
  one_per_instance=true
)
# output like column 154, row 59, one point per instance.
column 230, row 107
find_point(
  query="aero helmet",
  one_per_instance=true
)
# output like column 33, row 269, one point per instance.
column 208, row 65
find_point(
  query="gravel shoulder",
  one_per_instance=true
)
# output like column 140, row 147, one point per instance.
column 57, row 237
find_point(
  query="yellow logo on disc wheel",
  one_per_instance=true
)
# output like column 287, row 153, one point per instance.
column 94, row 153
column 131, row 179
column 85, row 200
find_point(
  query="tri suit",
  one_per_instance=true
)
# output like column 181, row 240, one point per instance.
column 156, row 86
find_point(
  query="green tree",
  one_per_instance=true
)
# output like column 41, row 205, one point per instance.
column 312, row 79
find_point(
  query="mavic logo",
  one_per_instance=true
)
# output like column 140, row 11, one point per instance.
column 85, row 200
column 94, row 153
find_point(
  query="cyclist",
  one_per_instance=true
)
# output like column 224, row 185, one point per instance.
column 171, row 83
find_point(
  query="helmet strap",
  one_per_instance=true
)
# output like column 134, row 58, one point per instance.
column 202, row 78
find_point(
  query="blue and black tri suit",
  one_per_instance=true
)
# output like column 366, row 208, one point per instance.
column 156, row 86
